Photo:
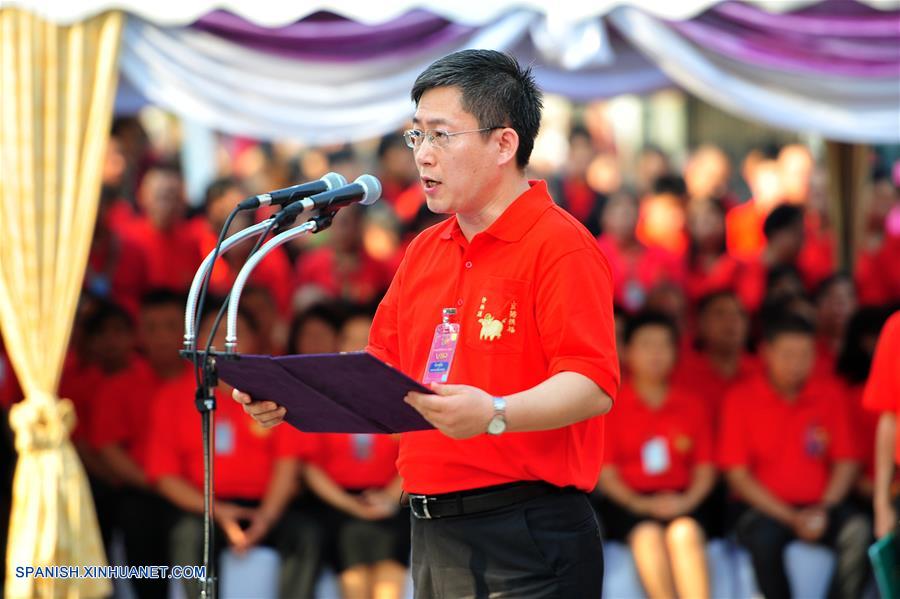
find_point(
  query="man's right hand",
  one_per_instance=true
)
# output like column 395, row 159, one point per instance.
column 266, row 413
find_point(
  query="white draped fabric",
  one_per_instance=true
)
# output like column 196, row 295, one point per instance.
column 234, row 89
column 274, row 13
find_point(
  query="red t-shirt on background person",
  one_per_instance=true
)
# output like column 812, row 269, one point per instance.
column 789, row 448
column 173, row 257
column 364, row 284
column 123, row 405
column 79, row 382
column 356, row 461
column 696, row 371
column 245, row 452
column 680, row 433
column 873, row 284
column 635, row 273
column 274, row 272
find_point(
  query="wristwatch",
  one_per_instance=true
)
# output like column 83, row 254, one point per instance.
column 497, row 425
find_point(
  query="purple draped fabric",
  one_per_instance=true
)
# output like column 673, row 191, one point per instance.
column 834, row 37
column 861, row 43
column 328, row 37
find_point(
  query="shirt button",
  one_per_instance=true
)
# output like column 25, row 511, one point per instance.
column 468, row 265
column 459, row 302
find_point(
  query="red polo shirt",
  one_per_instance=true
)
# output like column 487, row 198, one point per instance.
column 173, row 257
column 356, row 461
column 122, row 409
column 657, row 450
column 245, row 452
column 636, row 272
column 882, row 392
column 363, row 284
column 790, row 448
column 696, row 372
column 539, row 273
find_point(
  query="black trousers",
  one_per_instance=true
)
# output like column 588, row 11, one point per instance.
column 848, row 534
column 546, row 547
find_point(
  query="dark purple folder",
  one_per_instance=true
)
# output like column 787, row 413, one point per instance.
column 330, row 393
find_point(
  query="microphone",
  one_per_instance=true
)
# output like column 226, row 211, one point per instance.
column 280, row 197
column 366, row 190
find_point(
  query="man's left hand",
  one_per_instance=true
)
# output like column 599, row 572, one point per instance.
column 458, row 411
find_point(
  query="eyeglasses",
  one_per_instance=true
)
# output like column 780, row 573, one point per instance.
column 436, row 137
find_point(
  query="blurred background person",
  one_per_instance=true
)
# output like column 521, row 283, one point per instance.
column 257, row 475
column 658, row 465
column 635, row 268
column 355, row 478
column 790, row 457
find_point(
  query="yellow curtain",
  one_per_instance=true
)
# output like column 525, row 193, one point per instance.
column 57, row 85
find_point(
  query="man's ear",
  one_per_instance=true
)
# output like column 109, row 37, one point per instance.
column 509, row 144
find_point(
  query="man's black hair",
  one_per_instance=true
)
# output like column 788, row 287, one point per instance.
column 648, row 318
column 781, row 218
column 787, row 323
column 495, row 89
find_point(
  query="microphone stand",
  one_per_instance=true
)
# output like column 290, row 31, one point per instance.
column 316, row 224
column 205, row 361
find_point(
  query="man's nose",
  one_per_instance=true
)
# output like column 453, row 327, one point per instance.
column 424, row 154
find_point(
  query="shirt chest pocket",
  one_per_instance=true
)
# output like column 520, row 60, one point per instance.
column 496, row 319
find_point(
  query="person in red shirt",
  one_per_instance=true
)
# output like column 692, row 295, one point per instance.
column 880, row 244
column 119, row 430
column 572, row 188
column 498, row 490
column 784, row 240
column 273, row 273
column 709, row 267
column 117, row 267
column 882, row 395
column 636, row 268
column 835, row 301
column 787, row 450
column 744, row 222
column 658, row 465
column 256, row 476
column 719, row 359
column 343, row 269
column 663, row 220
column 315, row 330
column 706, row 175
column 852, row 367
column 170, row 246
column 355, row 478
column 102, row 345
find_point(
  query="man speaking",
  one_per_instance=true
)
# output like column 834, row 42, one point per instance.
column 509, row 306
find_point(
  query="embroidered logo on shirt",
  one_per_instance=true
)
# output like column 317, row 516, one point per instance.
column 816, row 440
column 493, row 328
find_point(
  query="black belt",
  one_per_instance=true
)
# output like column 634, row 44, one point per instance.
column 427, row 507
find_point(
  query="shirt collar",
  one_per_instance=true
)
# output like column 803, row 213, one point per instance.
column 516, row 220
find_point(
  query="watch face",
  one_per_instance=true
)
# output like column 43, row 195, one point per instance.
column 496, row 426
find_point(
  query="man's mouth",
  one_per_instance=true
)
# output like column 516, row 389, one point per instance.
column 430, row 183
